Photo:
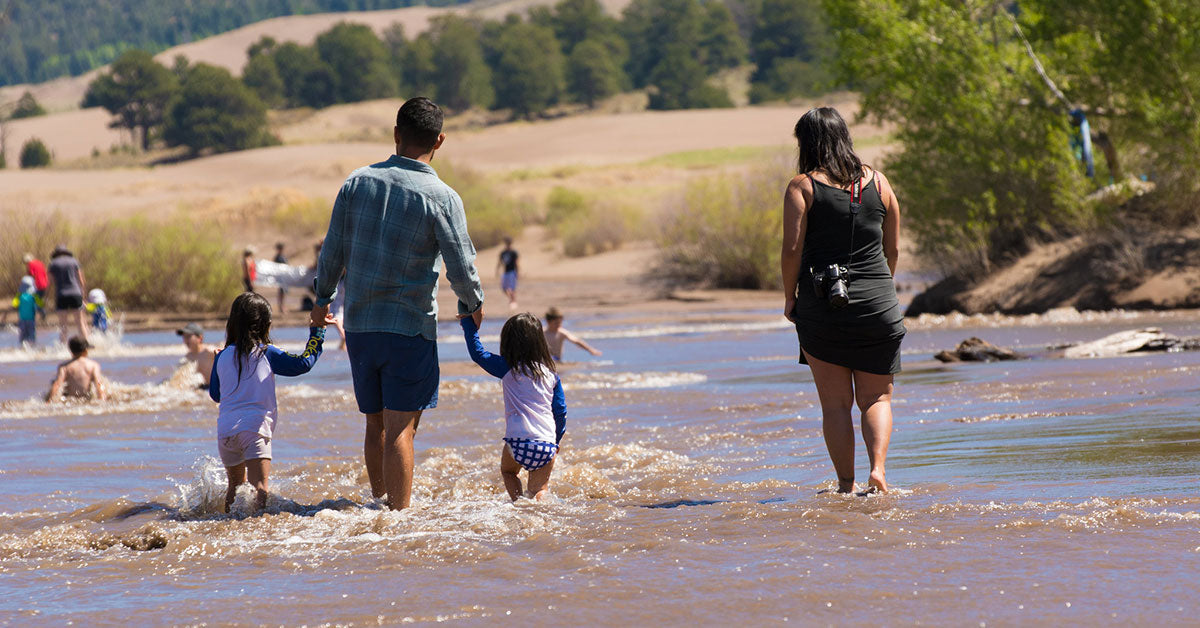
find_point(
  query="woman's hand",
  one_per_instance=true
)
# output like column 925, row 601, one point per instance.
column 789, row 304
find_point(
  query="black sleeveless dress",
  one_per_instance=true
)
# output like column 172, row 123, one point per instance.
column 865, row 335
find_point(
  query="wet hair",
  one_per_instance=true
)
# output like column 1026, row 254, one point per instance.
column 523, row 345
column 77, row 345
column 554, row 314
column 248, row 327
column 825, row 145
column 419, row 122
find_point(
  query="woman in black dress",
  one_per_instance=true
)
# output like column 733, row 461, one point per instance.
column 839, row 212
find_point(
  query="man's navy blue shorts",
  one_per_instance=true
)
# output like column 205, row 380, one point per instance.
column 392, row 371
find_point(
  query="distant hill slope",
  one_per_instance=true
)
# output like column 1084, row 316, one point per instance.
column 228, row 49
column 42, row 40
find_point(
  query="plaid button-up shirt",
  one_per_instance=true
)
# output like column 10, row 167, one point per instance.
column 393, row 223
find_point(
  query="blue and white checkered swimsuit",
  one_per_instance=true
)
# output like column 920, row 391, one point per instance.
column 531, row 454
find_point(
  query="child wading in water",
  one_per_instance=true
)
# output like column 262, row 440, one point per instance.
column 243, row 382
column 535, row 409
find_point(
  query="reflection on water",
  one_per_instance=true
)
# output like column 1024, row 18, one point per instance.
column 687, row 489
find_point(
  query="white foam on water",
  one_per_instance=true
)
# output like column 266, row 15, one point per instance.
column 634, row 381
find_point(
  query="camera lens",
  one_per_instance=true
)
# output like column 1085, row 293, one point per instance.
column 838, row 295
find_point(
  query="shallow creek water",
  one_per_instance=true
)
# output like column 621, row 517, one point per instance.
column 687, row 491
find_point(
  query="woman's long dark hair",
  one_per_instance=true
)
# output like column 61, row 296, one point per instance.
column 248, row 327
column 523, row 345
column 825, row 145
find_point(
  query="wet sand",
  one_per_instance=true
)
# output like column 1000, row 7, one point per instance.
column 1044, row 491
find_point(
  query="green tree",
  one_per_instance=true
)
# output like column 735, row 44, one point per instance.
column 27, row 107
column 721, row 44
column 293, row 62
column 462, row 79
column 34, row 154
column 575, row 21
column 651, row 27
column 399, row 54
column 136, row 90
column 215, row 111
column 359, row 62
column 262, row 75
column 529, row 70
column 790, row 45
column 680, row 82
column 592, row 73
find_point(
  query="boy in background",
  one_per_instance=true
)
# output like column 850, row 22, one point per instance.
column 198, row 353
column 556, row 335
column 77, row 376
column 28, row 304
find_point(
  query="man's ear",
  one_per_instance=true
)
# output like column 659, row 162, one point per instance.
column 438, row 144
column 396, row 134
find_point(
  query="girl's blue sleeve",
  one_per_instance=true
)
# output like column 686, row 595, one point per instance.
column 283, row 363
column 214, row 382
column 558, row 406
column 492, row 363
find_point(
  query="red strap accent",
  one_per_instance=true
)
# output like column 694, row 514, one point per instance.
column 856, row 191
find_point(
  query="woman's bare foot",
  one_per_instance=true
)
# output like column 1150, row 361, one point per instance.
column 845, row 485
column 876, row 483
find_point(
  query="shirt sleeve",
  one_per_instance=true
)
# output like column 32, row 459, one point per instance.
column 558, row 406
column 494, row 364
column 458, row 252
column 332, row 261
column 214, row 382
column 283, row 363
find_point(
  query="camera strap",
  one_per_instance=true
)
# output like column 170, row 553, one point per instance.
column 855, row 206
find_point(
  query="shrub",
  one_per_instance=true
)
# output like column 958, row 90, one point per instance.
column 562, row 205
column 21, row 233
column 491, row 215
column 598, row 228
column 27, row 107
column 34, row 154
column 725, row 232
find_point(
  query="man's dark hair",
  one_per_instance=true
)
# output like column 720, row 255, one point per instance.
column 420, row 122
column 77, row 346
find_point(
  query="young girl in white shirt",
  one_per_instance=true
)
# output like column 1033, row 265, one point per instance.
column 535, row 409
column 243, row 382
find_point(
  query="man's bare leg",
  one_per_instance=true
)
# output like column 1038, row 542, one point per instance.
column 81, row 324
column 257, row 471
column 874, row 397
column 399, row 430
column 509, row 468
column 62, row 326
column 373, row 454
column 539, row 481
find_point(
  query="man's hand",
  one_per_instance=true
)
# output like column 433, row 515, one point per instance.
column 476, row 316
column 319, row 317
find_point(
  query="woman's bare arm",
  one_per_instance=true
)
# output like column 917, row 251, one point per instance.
column 795, row 220
column 891, row 223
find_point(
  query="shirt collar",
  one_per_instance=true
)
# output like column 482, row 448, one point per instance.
column 411, row 164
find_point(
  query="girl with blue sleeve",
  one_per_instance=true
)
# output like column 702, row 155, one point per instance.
column 243, row 382
column 535, row 409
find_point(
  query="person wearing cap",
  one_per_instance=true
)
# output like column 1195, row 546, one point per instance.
column 198, row 354
column 78, row 376
column 37, row 270
column 69, row 288
column 557, row 336
column 27, row 304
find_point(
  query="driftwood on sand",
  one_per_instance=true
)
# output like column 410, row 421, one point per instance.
column 1131, row 341
column 977, row 350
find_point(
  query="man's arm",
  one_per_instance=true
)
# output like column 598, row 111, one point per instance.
column 495, row 365
column 332, row 262
column 283, row 363
column 558, row 406
column 450, row 228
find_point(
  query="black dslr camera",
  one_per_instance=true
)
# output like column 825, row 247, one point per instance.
column 830, row 283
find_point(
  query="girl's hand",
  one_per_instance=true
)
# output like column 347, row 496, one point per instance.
column 328, row 320
column 789, row 304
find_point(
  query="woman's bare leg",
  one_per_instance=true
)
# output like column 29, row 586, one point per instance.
column 508, row 472
column 257, row 471
column 835, row 388
column 236, row 475
column 874, row 396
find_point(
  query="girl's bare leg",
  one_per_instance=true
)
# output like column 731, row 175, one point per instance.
column 874, row 396
column 539, row 481
column 257, row 471
column 236, row 475
column 509, row 468
column 835, row 388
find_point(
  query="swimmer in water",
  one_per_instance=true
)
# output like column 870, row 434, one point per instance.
column 535, row 409
column 199, row 354
column 556, row 336
column 243, row 382
column 78, row 376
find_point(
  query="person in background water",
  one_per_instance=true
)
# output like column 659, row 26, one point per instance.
column 28, row 304
column 280, row 258
column 556, row 335
column 838, row 211
column 243, row 383
column 535, row 408
column 510, row 268
column 198, row 353
column 69, row 288
column 393, row 224
column 249, row 270
column 36, row 269
column 79, row 376
column 97, row 306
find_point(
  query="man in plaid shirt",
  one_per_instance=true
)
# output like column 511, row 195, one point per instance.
column 392, row 226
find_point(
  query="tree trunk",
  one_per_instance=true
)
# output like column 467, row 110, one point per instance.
column 1110, row 154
